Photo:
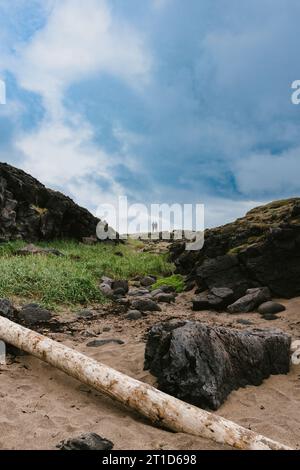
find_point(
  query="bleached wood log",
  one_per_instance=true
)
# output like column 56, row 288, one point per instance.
column 158, row 407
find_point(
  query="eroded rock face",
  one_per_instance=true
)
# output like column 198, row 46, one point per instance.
column 260, row 249
column 30, row 211
column 201, row 364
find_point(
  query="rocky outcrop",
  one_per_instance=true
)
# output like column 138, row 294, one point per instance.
column 260, row 249
column 201, row 364
column 30, row 211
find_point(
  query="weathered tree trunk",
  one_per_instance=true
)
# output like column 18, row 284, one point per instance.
column 159, row 407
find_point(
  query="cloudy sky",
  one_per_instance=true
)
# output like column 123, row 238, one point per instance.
column 165, row 101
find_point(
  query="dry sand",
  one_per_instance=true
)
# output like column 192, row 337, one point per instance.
column 40, row 406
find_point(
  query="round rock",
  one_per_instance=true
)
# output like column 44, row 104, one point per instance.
column 271, row 308
column 133, row 315
column 148, row 281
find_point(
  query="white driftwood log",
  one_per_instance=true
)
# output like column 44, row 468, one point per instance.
column 159, row 407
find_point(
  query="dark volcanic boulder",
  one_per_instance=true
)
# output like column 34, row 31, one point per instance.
column 34, row 314
column 260, row 249
column 145, row 305
column 217, row 299
column 223, row 271
column 202, row 364
column 7, row 309
column 30, row 211
column 271, row 308
column 249, row 302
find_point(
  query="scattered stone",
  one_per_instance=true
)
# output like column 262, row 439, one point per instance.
column 164, row 298
column 271, row 307
column 34, row 314
column 250, row 301
column 156, row 292
column 107, row 280
column 7, row 309
column 36, row 250
column 145, row 305
column 88, row 334
column 120, row 284
column 123, row 301
column 223, row 293
column 86, row 314
column 167, row 289
column 106, row 329
column 120, row 292
column 101, row 342
column 133, row 315
column 243, row 321
column 138, row 292
column 202, row 364
column 147, row 281
column 88, row 441
column 270, row 317
column 106, row 290
column 216, row 299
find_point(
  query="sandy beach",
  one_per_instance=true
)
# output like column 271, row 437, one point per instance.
column 40, row 406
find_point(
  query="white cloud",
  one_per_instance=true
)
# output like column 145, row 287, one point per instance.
column 264, row 173
column 78, row 40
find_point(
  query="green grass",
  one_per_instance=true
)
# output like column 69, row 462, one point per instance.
column 74, row 278
column 176, row 281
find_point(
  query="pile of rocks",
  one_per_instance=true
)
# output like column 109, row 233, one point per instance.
column 139, row 298
column 114, row 289
column 255, row 298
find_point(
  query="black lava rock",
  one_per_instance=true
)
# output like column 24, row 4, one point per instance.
column 260, row 249
column 201, row 364
column 270, row 308
column 34, row 314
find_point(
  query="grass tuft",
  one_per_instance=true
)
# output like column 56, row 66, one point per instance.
column 176, row 281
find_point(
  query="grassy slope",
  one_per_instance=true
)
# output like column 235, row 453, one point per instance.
column 74, row 278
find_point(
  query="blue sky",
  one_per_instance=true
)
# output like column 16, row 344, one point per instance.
column 165, row 101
